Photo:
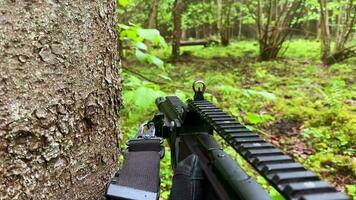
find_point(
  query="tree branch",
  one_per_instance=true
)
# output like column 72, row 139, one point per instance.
column 143, row 76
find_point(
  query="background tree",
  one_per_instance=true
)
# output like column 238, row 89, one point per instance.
column 177, row 24
column 345, row 18
column 224, row 20
column 59, row 99
column 275, row 21
column 324, row 29
column 152, row 19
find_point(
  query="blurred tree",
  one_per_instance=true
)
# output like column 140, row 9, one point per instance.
column 345, row 25
column 177, row 30
column 324, row 29
column 275, row 21
column 224, row 20
column 152, row 19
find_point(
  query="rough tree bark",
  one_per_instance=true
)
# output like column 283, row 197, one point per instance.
column 59, row 98
column 177, row 27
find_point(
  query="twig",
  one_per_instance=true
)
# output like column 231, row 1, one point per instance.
column 143, row 76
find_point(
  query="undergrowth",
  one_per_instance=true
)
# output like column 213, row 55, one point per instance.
column 307, row 109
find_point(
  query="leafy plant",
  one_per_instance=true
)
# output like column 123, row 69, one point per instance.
column 123, row 2
column 136, row 36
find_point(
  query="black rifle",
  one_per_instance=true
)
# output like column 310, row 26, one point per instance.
column 202, row 170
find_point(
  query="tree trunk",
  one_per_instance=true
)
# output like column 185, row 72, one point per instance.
column 219, row 14
column 225, row 36
column 152, row 19
column 275, row 22
column 184, row 34
column 324, row 30
column 345, row 24
column 224, row 8
column 59, row 98
column 239, row 25
column 177, row 27
column 347, row 20
column 338, row 29
column 197, row 32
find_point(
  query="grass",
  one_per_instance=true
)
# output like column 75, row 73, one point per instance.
column 307, row 109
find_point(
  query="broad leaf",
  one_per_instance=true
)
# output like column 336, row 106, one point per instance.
column 254, row 118
column 148, row 34
column 158, row 62
column 123, row 2
column 140, row 55
column 141, row 45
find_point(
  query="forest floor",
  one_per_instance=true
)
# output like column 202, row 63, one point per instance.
column 306, row 109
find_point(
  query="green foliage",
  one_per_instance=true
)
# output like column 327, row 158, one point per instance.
column 123, row 2
column 152, row 35
column 302, row 49
column 351, row 189
column 164, row 15
column 313, row 10
column 136, row 36
column 238, row 49
column 332, row 163
column 166, row 174
column 139, row 95
column 199, row 13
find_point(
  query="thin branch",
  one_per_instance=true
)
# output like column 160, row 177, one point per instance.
column 143, row 76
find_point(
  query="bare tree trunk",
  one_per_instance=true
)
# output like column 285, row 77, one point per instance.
column 317, row 26
column 281, row 20
column 196, row 30
column 239, row 24
column 184, row 34
column 210, row 29
column 59, row 98
column 224, row 7
column 338, row 28
column 219, row 14
column 206, row 30
column 324, row 30
column 346, row 22
column 177, row 27
column 120, row 49
column 152, row 19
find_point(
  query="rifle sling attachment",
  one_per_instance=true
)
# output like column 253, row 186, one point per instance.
column 139, row 176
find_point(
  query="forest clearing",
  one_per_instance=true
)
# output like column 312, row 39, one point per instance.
column 295, row 99
column 306, row 109
column 96, row 99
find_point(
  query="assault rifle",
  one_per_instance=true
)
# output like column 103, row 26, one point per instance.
column 202, row 170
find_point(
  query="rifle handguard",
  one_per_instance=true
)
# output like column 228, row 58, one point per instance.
column 291, row 179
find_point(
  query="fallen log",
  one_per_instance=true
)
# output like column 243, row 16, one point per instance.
column 341, row 55
column 205, row 43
